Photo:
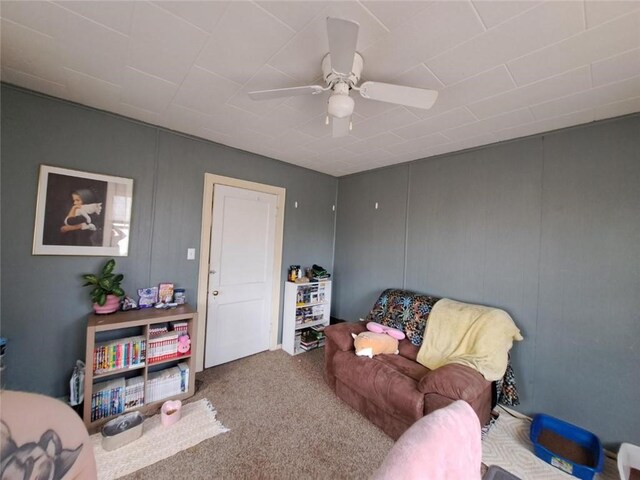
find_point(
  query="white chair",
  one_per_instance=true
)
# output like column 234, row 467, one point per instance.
column 628, row 459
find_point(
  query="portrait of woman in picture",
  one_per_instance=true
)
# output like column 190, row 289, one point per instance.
column 80, row 223
column 74, row 211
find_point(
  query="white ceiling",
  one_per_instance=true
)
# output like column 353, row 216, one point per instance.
column 504, row 69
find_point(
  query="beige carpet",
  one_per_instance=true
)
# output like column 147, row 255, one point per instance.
column 286, row 423
column 197, row 423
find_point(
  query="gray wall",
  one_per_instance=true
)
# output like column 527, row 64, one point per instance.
column 44, row 306
column 546, row 227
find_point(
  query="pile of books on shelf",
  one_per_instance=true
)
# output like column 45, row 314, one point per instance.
column 167, row 383
column 107, row 398
column 180, row 327
column 310, row 338
column 122, row 353
column 158, row 329
column 309, row 314
column 113, row 397
column 163, row 346
column 133, row 393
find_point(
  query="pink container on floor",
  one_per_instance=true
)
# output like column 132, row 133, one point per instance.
column 170, row 412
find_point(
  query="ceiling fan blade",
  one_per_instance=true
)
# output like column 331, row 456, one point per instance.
column 340, row 126
column 401, row 95
column 286, row 92
column 343, row 37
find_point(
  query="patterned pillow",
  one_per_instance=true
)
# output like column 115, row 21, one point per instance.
column 407, row 311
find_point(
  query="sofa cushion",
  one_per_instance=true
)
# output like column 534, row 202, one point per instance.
column 405, row 310
column 380, row 382
column 404, row 365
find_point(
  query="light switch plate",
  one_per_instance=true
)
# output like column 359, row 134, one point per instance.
column 191, row 253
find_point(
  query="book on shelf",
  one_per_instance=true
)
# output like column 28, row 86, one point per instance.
column 158, row 329
column 121, row 353
column 134, row 392
column 108, row 398
column 167, row 383
column 162, row 347
column 181, row 327
column 165, row 292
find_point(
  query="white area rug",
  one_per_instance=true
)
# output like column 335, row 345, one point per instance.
column 198, row 423
column 507, row 445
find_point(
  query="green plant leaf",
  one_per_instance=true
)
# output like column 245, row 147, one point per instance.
column 90, row 278
column 118, row 291
column 118, row 278
column 108, row 267
column 102, row 299
column 106, row 284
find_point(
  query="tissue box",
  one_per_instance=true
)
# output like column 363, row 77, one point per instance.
column 572, row 449
column 122, row 430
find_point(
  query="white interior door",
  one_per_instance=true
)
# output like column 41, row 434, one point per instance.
column 240, row 274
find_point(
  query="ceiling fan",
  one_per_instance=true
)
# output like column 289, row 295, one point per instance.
column 341, row 69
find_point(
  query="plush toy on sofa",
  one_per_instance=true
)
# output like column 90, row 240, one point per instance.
column 368, row 344
column 392, row 332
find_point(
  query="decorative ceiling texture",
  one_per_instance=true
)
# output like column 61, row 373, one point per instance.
column 503, row 69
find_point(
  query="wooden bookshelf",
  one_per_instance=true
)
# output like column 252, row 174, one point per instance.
column 133, row 323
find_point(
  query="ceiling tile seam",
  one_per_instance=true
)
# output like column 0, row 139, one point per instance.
column 466, row 107
column 518, row 14
column 20, row 72
column 18, row 24
column 178, row 17
column 591, row 83
column 151, row 112
column 373, row 16
column 152, row 75
column 599, row 87
column 442, row 85
column 566, row 40
column 92, row 77
column 405, row 108
column 475, row 10
column 279, row 20
column 520, row 87
column 584, row 14
column 195, row 65
column 472, row 39
column 513, row 79
column 92, row 21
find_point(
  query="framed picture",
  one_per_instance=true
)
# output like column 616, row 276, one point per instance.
column 80, row 213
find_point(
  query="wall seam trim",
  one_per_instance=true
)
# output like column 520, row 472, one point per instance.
column 406, row 228
column 154, row 197
column 535, row 335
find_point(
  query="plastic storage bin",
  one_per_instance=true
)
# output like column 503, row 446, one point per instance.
column 572, row 449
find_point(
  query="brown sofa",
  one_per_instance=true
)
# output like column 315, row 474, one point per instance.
column 394, row 391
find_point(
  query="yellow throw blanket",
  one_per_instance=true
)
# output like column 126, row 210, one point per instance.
column 473, row 335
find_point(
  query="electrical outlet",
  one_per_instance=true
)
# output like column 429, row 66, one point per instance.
column 191, row 253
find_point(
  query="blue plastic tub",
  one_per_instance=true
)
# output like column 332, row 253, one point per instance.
column 572, row 438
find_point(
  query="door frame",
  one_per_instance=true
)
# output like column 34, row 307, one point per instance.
column 210, row 180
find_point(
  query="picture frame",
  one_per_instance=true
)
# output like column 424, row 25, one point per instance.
column 82, row 213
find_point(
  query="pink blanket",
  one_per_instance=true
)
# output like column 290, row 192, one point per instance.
column 443, row 445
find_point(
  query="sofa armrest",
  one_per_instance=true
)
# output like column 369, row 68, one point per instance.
column 340, row 334
column 457, row 382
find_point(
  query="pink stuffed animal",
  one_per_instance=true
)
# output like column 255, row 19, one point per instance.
column 184, row 344
column 392, row 332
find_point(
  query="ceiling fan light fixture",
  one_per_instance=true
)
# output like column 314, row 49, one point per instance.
column 340, row 106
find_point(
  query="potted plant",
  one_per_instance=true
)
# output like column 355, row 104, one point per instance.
column 106, row 291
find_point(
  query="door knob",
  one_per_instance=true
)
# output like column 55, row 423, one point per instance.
column 215, row 293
